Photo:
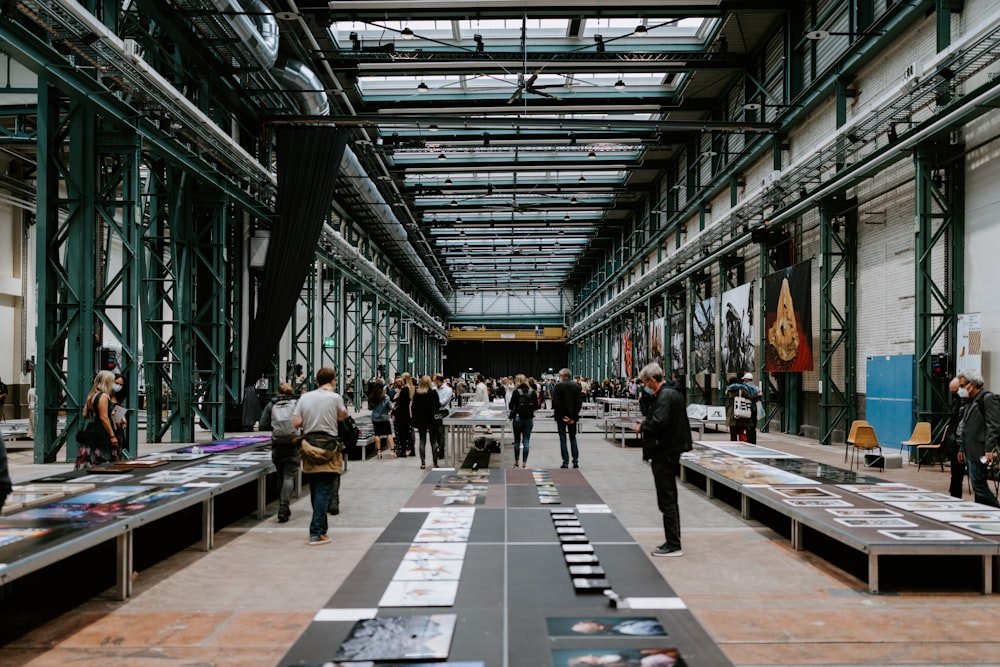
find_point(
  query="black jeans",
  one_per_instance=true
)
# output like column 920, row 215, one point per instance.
column 665, row 468
column 286, row 458
column 957, row 472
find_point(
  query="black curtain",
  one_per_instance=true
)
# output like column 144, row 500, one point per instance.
column 308, row 161
column 502, row 358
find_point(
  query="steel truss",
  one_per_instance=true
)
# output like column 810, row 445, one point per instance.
column 939, row 289
column 86, row 211
column 838, row 268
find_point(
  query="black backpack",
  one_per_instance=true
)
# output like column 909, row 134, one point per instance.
column 348, row 431
column 526, row 404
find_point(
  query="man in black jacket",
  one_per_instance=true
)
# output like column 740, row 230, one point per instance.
column 567, row 399
column 979, row 433
column 666, row 434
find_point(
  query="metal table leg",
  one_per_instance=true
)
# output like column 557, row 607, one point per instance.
column 872, row 573
column 208, row 524
column 123, row 565
column 262, row 493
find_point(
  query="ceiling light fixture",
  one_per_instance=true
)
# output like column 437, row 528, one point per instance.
column 572, row 139
column 432, row 128
column 458, row 219
column 447, row 181
column 453, row 203
column 640, row 30
column 620, row 84
column 582, row 179
column 751, row 106
column 566, row 218
column 591, row 155
column 406, row 33
column 480, row 46
column 355, row 41
column 486, row 138
column 572, row 200
column 599, row 39
column 422, row 87
column 442, row 156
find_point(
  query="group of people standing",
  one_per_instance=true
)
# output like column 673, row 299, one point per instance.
column 408, row 406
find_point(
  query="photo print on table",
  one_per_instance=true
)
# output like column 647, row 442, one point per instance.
column 605, row 626
column 859, row 512
column 618, row 657
column 987, row 514
column 936, row 506
column 399, row 638
column 877, row 522
column 816, row 502
column 926, row 535
column 803, row 492
column 981, row 527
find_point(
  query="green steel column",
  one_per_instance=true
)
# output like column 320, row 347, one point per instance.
column 235, row 256
column 837, row 317
column 66, row 256
column 161, row 192
column 182, row 351
column 304, row 323
column 939, row 288
column 942, row 23
column 208, row 327
column 117, row 300
column 352, row 329
column 330, row 316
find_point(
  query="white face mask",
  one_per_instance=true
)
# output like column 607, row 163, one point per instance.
column 116, row 388
column 963, row 392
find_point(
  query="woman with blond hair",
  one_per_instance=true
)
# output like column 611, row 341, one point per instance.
column 402, row 416
column 98, row 442
column 425, row 406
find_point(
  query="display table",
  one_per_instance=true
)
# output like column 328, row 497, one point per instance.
column 460, row 427
column 862, row 512
column 499, row 571
column 113, row 506
column 619, row 407
column 623, row 425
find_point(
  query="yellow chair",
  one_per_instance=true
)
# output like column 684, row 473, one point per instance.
column 936, row 447
column 850, row 438
column 921, row 436
column 865, row 440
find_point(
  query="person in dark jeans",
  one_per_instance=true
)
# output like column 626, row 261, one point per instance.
column 666, row 434
column 567, row 400
column 523, row 402
column 5, row 484
column 285, row 453
column 951, row 443
column 979, row 433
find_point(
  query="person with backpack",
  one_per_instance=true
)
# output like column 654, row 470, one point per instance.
column 277, row 418
column 979, row 433
column 523, row 402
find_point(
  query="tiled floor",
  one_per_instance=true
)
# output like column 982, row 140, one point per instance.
column 244, row 603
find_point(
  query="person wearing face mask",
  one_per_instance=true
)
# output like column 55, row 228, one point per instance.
column 118, row 419
column 666, row 434
column 951, row 443
column 978, row 432
column 745, row 426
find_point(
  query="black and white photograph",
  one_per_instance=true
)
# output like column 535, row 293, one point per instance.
column 656, row 345
column 703, row 336
column 399, row 638
column 678, row 343
column 738, row 348
column 640, row 343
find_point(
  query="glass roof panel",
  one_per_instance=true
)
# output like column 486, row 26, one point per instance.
column 511, row 28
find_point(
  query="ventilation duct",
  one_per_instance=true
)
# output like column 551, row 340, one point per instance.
column 256, row 26
column 312, row 100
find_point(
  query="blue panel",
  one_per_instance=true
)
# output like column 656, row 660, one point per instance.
column 889, row 400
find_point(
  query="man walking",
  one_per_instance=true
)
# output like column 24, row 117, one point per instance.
column 979, row 432
column 444, row 393
column 317, row 414
column 567, row 399
column 666, row 434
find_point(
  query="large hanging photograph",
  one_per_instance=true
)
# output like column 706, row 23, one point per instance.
column 703, row 336
column 738, row 350
column 788, row 320
column 640, row 348
column 615, row 365
column 656, row 340
column 626, row 370
column 678, row 343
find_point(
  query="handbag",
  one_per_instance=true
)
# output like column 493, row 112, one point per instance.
column 742, row 407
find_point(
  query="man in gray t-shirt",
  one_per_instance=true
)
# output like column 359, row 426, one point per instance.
column 317, row 414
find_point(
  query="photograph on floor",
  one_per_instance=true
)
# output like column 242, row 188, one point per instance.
column 600, row 626
column 788, row 319
column 738, row 347
column 399, row 638
column 618, row 657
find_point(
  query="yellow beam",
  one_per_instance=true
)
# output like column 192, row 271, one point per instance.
column 548, row 335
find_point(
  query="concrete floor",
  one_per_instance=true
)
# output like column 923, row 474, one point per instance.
column 245, row 603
